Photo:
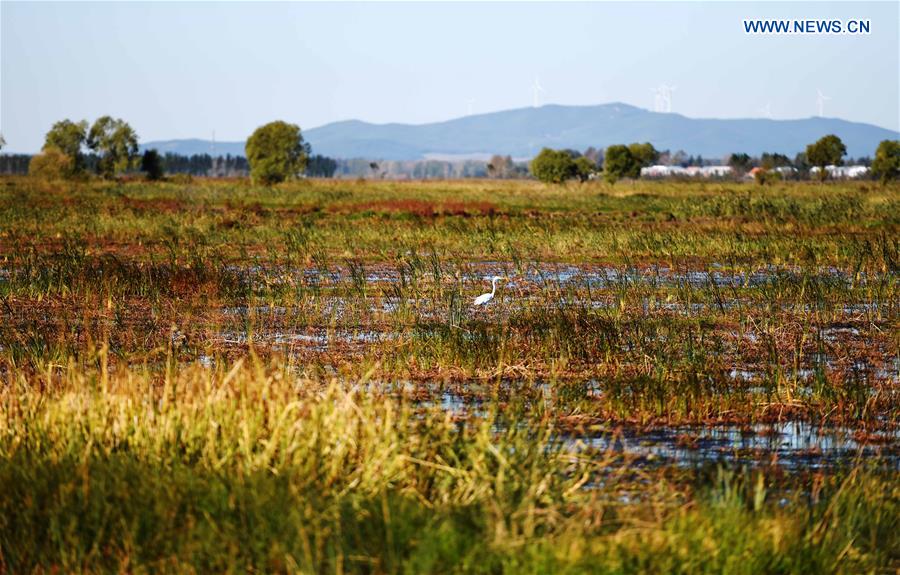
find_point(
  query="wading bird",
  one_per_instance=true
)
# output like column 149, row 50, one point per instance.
column 486, row 297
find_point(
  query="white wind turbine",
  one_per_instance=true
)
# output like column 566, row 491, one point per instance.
column 766, row 110
column 536, row 90
column 820, row 102
column 469, row 103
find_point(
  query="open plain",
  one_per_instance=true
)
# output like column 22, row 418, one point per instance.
column 208, row 376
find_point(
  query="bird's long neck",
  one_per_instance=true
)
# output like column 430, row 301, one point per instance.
column 493, row 286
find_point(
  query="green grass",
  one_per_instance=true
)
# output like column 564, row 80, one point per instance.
column 254, row 470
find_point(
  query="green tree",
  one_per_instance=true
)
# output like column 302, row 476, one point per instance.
column 828, row 151
column 68, row 137
column 52, row 164
column 116, row 143
column 553, row 166
column 584, row 167
column 644, row 154
column 276, row 152
column 740, row 163
column 152, row 165
column 619, row 162
column 887, row 160
column 776, row 160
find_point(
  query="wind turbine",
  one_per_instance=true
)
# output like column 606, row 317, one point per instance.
column 820, row 102
column 469, row 104
column 766, row 110
column 536, row 90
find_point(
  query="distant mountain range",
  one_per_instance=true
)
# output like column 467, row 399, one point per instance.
column 523, row 132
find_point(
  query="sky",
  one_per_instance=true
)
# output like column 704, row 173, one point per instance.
column 190, row 69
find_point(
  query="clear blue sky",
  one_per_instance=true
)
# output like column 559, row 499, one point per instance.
column 180, row 70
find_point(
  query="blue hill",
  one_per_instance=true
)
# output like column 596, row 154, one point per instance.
column 523, row 132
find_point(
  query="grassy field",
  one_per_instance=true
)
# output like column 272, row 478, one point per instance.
column 213, row 377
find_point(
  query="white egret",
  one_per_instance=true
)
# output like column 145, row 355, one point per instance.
column 486, row 297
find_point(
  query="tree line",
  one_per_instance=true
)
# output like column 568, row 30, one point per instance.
column 615, row 163
column 626, row 161
column 227, row 166
column 109, row 148
column 277, row 152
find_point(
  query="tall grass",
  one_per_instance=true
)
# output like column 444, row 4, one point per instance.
column 248, row 468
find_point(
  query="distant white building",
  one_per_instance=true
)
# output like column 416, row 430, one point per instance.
column 715, row 171
column 661, row 171
column 843, row 172
column 690, row 172
column 786, row 170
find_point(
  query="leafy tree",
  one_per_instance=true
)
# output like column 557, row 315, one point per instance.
column 116, row 143
column 771, row 161
column 553, row 166
column 152, row 165
column 584, row 167
column 619, row 162
column 67, row 137
column 276, row 152
column 887, row 160
column 740, row 163
column 828, row 151
column 52, row 164
column 644, row 154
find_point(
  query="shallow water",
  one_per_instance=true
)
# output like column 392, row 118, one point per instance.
column 794, row 445
column 789, row 444
column 543, row 273
column 313, row 339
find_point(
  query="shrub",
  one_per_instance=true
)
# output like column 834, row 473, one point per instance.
column 52, row 164
column 553, row 166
